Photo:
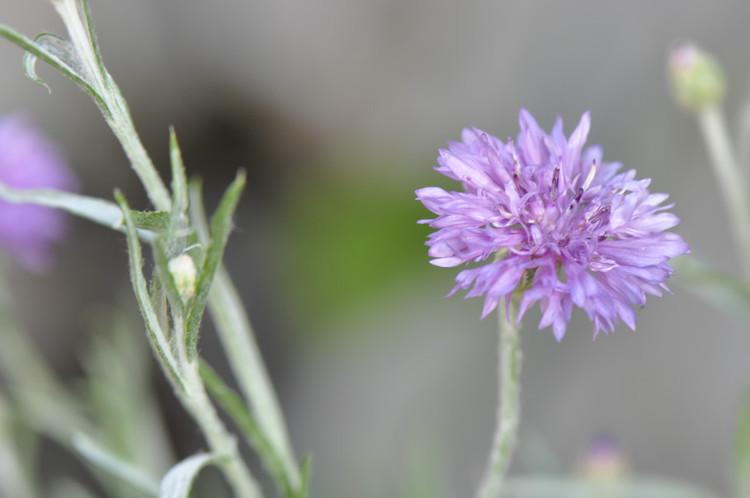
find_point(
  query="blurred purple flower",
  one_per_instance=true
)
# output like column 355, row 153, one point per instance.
column 575, row 230
column 603, row 460
column 29, row 160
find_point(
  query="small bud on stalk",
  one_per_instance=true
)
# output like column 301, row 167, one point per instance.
column 184, row 273
column 696, row 77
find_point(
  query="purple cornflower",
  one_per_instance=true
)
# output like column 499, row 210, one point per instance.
column 29, row 161
column 561, row 226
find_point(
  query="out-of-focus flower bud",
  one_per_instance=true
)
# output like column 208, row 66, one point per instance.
column 603, row 461
column 697, row 78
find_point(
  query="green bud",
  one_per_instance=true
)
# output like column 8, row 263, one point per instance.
column 697, row 79
column 184, row 274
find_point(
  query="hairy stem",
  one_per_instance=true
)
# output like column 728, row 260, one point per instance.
column 122, row 126
column 508, row 406
column 196, row 401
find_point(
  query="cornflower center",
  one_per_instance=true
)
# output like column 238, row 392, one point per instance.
column 567, row 225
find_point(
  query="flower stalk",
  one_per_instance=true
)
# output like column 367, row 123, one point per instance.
column 508, row 407
column 729, row 176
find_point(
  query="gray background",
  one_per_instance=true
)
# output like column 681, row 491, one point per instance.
column 316, row 83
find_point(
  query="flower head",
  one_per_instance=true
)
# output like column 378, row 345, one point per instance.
column 563, row 227
column 29, row 161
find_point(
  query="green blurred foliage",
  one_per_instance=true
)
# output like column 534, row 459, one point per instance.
column 347, row 240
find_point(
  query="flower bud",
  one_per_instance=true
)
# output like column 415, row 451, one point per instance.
column 603, row 461
column 184, row 274
column 697, row 78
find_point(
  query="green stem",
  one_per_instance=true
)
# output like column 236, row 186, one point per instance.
column 729, row 176
column 508, row 406
column 122, row 126
column 196, row 401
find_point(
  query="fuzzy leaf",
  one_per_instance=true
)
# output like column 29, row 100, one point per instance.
column 179, row 179
column 97, row 210
column 179, row 480
column 152, row 221
column 29, row 67
column 92, row 32
column 177, row 236
column 233, row 405
column 59, row 48
column 161, row 258
column 140, row 288
column 221, row 226
column 58, row 53
column 159, row 300
column 198, row 210
column 197, row 215
column 106, row 460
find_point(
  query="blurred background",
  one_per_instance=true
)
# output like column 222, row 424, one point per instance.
column 337, row 108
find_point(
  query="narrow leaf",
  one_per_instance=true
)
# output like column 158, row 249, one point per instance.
column 152, row 221
column 59, row 48
column 159, row 300
column 92, row 34
column 165, row 276
column 97, row 210
column 29, row 66
column 180, row 236
column 51, row 57
column 179, row 480
column 198, row 211
column 106, row 460
column 221, row 225
column 234, row 406
column 742, row 452
column 140, row 288
column 197, row 214
column 179, row 179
